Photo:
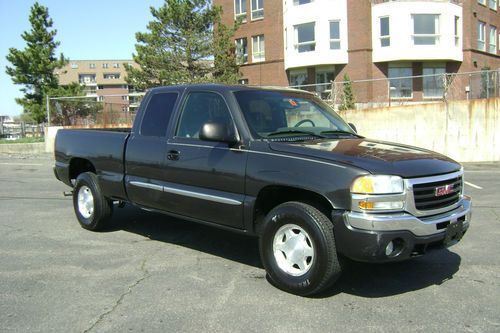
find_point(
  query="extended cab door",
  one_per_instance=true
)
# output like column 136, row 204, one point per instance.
column 146, row 150
column 205, row 180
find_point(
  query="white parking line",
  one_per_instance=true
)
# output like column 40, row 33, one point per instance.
column 473, row 185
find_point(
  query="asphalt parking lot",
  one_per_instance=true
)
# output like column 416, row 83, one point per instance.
column 153, row 273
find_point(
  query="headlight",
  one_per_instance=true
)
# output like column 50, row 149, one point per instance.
column 377, row 184
column 378, row 193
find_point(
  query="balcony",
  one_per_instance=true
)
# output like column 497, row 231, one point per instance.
column 417, row 30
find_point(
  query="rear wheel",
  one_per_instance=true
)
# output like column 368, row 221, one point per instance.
column 297, row 248
column 92, row 209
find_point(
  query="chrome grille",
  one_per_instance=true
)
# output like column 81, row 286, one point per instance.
column 425, row 194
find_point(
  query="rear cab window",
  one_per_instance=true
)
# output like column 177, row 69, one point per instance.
column 157, row 114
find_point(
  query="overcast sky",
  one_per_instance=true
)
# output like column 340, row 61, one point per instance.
column 87, row 29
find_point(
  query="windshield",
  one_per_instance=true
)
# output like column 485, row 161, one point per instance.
column 278, row 114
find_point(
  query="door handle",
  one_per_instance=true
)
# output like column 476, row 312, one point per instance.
column 173, row 155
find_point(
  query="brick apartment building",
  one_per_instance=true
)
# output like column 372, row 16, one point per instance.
column 298, row 42
column 103, row 79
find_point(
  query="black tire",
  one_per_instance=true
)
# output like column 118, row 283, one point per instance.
column 97, row 212
column 299, row 222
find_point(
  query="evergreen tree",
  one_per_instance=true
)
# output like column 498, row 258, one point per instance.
column 348, row 95
column 34, row 66
column 182, row 44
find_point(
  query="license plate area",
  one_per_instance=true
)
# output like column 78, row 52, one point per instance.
column 454, row 232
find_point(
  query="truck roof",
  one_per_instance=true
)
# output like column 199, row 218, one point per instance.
column 218, row 86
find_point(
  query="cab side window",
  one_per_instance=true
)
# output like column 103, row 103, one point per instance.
column 157, row 114
column 200, row 108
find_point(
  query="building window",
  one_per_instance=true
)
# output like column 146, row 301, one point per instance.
column 433, row 80
column 493, row 4
column 258, row 49
column 240, row 9
column 425, row 29
column 116, row 65
column 493, row 40
column 241, row 51
column 298, row 78
column 86, row 78
column 257, row 9
column 301, row 2
column 324, row 77
column 401, row 83
column 457, row 36
column 111, row 76
column 124, row 98
column 92, row 66
column 243, row 81
column 334, row 35
column 100, row 98
column 105, row 65
column 481, row 32
column 74, row 65
column 482, row 2
column 385, row 38
column 304, row 34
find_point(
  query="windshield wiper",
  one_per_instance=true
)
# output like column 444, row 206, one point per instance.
column 339, row 132
column 295, row 132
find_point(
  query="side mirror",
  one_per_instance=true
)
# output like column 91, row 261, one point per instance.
column 353, row 127
column 218, row 132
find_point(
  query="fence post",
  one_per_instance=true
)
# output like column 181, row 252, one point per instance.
column 48, row 110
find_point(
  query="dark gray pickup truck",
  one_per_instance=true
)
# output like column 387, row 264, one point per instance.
column 275, row 163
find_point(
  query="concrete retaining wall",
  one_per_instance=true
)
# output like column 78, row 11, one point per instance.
column 467, row 131
column 22, row 148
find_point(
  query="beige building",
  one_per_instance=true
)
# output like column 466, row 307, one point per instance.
column 103, row 79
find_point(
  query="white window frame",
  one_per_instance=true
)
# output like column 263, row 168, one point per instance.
column 243, row 10
column 334, row 40
column 385, row 37
column 299, row 44
column 493, row 4
column 92, row 66
column 258, row 12
column 481, row 30
column 298, row 72
column 406, row 77
column 436, row 35
column 493, row 38
column 482, row 2
column 241, row 58
column 258, row 54
column 105, row 65
column 436, row 77
column 457, row 30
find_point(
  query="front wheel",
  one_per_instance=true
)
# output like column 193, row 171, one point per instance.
column 92, row 209
column 297, row 249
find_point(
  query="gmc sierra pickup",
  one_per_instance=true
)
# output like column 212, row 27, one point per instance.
column 275, row 163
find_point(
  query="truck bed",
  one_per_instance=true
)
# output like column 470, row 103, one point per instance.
column 104, row 148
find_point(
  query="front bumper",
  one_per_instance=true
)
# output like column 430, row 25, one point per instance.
column 364, row 237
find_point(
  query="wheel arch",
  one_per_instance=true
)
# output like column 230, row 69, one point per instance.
column 78, row 166
column 274, row 195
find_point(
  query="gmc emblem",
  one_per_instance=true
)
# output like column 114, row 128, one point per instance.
column 443, row 190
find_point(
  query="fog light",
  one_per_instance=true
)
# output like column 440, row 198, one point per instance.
column 389, row 248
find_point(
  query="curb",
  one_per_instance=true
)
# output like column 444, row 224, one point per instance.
column 22, row 148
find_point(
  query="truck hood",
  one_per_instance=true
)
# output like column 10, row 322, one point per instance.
column 376, row 157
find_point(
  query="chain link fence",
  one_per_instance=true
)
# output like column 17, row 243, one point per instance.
column 91, row 111
column 408, row 89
